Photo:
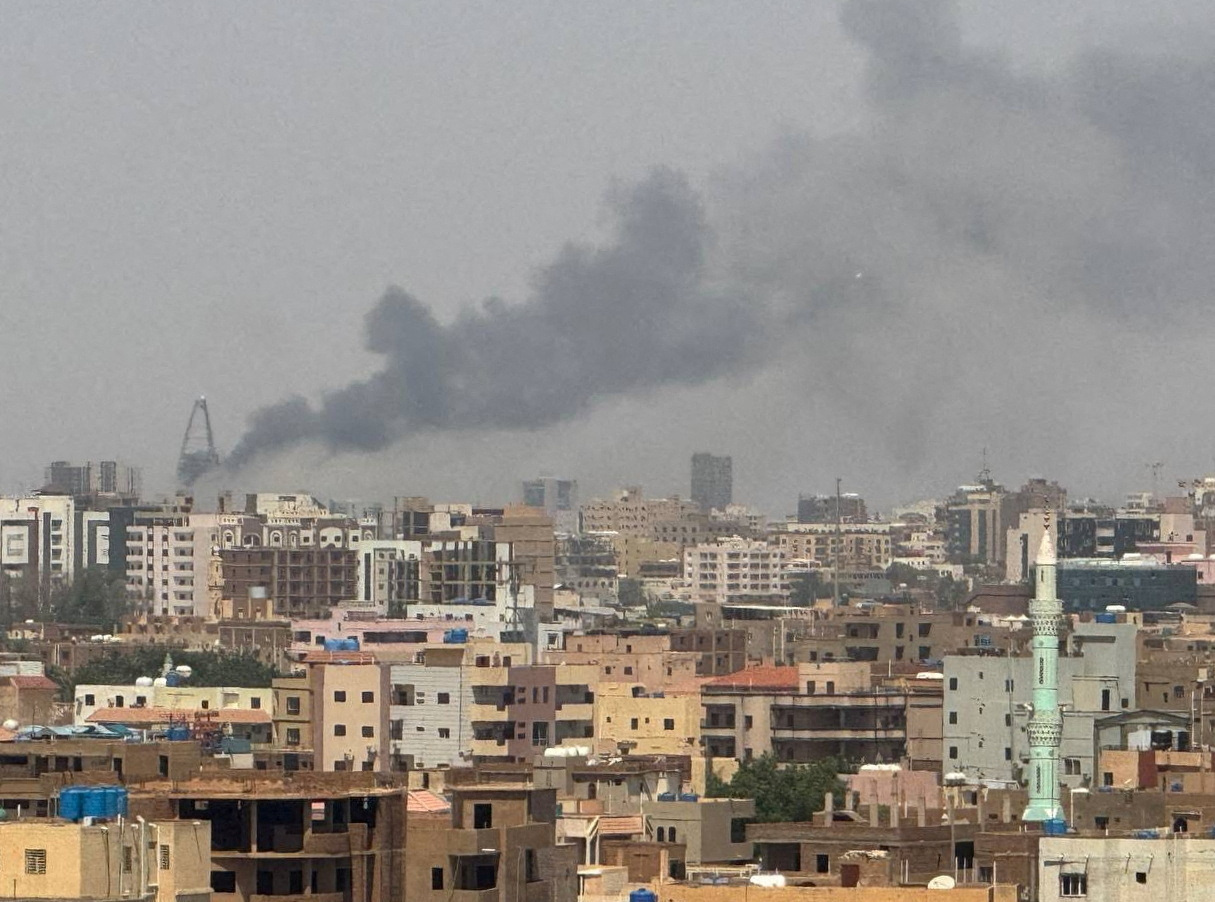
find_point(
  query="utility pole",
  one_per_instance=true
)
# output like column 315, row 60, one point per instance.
column 835, row 546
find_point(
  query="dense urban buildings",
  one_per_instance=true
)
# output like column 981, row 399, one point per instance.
column 549, row 701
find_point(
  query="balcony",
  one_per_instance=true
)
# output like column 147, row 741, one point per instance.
column 473, row 842
column 489, row 748
column 574, row 711
column 488, row 713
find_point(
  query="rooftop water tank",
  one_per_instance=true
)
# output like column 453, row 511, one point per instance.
column 71, row 802
column 642, row 895
column 1055, row 826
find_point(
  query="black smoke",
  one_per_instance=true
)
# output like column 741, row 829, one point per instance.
column 936, row 269
column 637, row 313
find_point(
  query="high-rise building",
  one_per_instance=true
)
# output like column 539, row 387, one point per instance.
column 975, row 529
column 105, row 477
column 556, row 497
column 712, row 481
column 822, row 508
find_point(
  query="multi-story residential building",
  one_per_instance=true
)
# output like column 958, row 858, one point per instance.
column 712, row 481
column 293, row 721
column 105, row 477
column 431, row 713
column 1141, row 584
column 804, row 713
column 987, row 703
column 529, row 533
column 558, row 498
column 300, row 582
column 974, row 523
column 851, row 547
column 630, row 513
column 822, row 508
column 349, row 694
column 586, row 564
column 43, row 539
column 735, row 568
column 631, row 719
column 171, row 562
column 323, row 836
column 65, row 861
column 498, row 844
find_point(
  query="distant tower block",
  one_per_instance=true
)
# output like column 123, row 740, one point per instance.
column 1045, row 727
column 198, row 454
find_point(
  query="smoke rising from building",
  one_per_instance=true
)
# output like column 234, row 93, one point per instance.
column 932, row 270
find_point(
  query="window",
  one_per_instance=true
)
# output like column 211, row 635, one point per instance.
column 368, row 732
column 223, row 881
column 166, row 858
column 128, row 859
column 293, row 704
column 339, row 729
column 444, row 733
column 90, row 699
column 444, row 698
column 162, row 765
column 953, row 716
column 953, row 684
column 1101, row 823
column 633, row 724
column 483, row 816
column 822, row 864
column 668, row 723
column 436, row 878
column 747, row 722
column 830, row 687
column 662, row 834
column 671, row 834
column 1008, row 720
column 368, row 698
column 1071, row 766
column 810, row 687
column 35, row 861
column 1007, row 753
column 1071, row 884
column 1141, row 876
column 953, row 753
column 293, row 736
column 339, row 695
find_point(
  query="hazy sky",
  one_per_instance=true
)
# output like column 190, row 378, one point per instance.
column 209, row 198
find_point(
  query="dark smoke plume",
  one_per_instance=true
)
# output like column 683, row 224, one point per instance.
column 982, row 228
column 605, row 321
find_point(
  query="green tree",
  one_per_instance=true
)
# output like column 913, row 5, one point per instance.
column 211, row 668
column 97, row 596
column 783, row 794
column 805, row 587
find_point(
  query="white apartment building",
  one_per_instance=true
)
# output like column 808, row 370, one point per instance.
column 734, row 568
column 168, row 562
column 38, row 537
column 855, row 546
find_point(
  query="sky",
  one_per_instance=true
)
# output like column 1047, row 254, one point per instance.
column 859, row 239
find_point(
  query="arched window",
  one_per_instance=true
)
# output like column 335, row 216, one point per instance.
column 671, row 835
column 662, row 834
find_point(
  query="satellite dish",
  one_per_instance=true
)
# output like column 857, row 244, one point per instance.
column 11, row 724
column 942, row 882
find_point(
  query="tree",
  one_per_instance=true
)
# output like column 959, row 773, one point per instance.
column 805, row 587
column 788, row 794
column 97, row 596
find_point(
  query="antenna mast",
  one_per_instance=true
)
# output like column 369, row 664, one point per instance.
column 198, row 454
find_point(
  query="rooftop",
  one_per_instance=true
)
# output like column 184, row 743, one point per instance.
column 764, row 676
column 165, row 715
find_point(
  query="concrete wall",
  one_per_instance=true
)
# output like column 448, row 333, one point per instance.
column 1126, row 870
column 696, row 893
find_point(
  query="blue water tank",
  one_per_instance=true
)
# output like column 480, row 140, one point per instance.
column 172, row 678
column 116, row 801
column 334, row 644
column 352, row 644
column 71, row 802
column 455, row 636
column 178, row 733
column 94, row 802
column 666, row 797
column 689, row 797
column 1105, row 617
column 1056, row 826
column 642, row 895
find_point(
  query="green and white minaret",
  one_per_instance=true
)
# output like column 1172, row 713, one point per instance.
column 1045, row 726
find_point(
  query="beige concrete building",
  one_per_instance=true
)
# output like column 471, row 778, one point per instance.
column 734, row 568
column 629, row 718
column 530, row 534
column 628, row 512
column 856, row 546
column 350, row 695
column 164, row 861
column 1119, row 869
column 712, row 830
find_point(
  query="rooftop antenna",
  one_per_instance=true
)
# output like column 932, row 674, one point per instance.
column 985, row 472
column 1155, row 467
column 198, row 454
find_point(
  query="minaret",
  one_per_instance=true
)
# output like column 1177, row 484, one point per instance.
column 1045, row 726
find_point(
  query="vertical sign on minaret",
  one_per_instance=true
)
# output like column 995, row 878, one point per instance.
column 1045, row 726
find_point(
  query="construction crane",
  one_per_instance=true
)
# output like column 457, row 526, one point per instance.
column 198, row 454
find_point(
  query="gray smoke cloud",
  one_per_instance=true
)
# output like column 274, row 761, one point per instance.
column 639, row 312
column 982, row 230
